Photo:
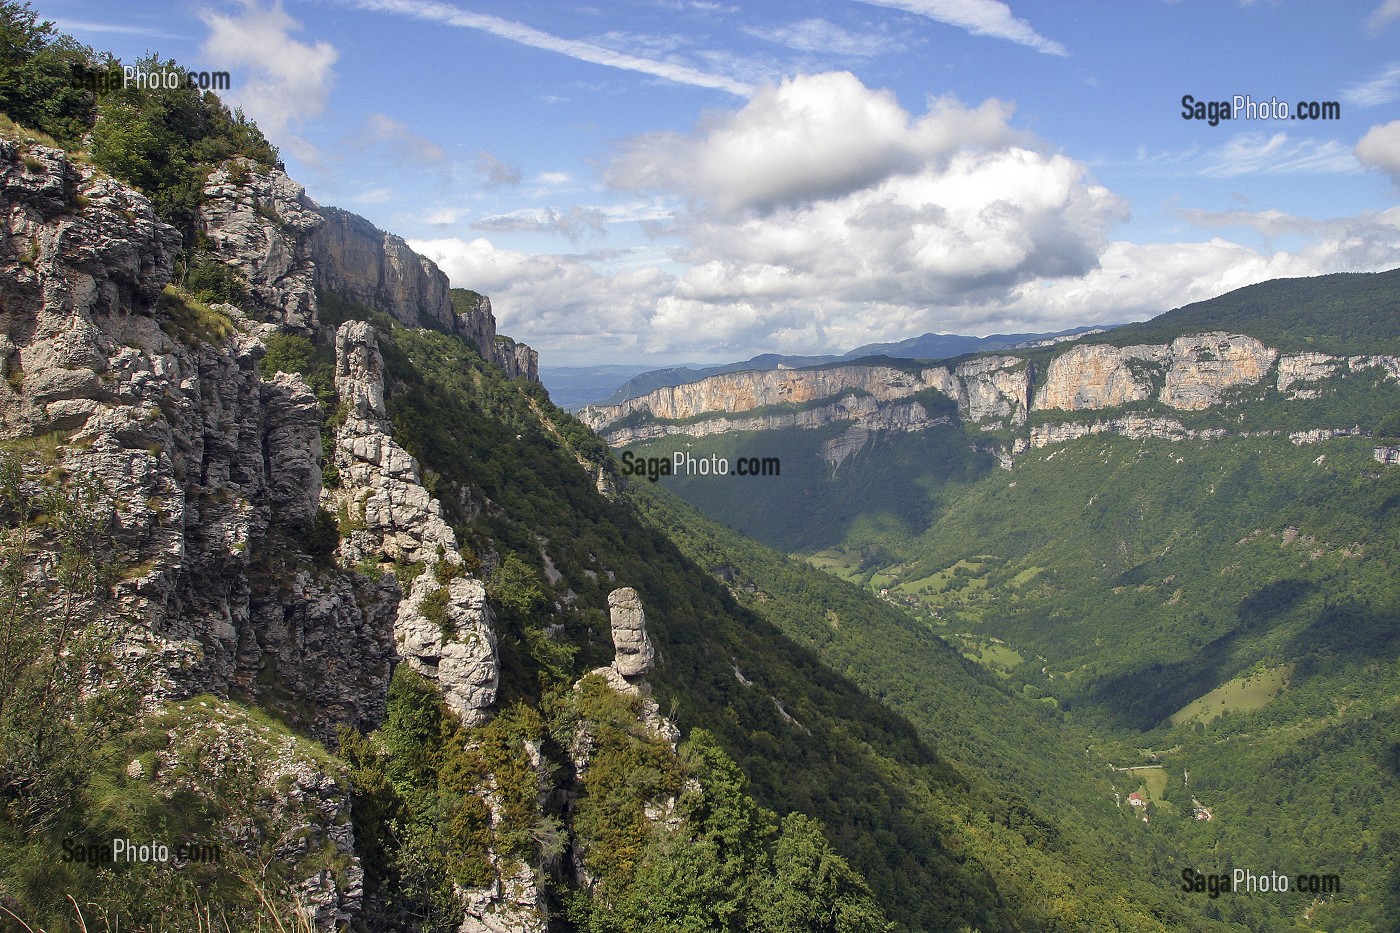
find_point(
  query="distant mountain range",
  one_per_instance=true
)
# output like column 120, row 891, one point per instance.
column 572, row 387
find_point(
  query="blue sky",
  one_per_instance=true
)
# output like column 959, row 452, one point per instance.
column 658, row 181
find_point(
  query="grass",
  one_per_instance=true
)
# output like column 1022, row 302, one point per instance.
column 43, row 448
column 1244, row 694
column 839, row 562
column 191, row 320
column 12, row 130
column 992, row 653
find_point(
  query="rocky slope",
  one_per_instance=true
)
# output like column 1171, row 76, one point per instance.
column 290, row 251
column 215, row 473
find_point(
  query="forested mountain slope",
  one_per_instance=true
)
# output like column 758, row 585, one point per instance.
column 310, row 590
column 1185, row 543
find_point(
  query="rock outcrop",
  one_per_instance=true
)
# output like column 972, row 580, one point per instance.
column 289, row 250
column 258, row 224
column 861, row 411
column 358, row 261
column 162, row 406
column 444, row 628
column 386, row 510
column 731, row 393
column 1088, row 378
column 447, row 632
column 993, row 392
column 1136, row 426
column 989, row 388
column 629, row 634
column 1294, row 368
column 1204, row 366
column 1388, row 454
column 634, row 659
column 1190, row 374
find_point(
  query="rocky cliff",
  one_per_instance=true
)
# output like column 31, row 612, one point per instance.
column 214, row 473
column 998, row 392
column 987, row 389
column 159, row 404
column 291, row 251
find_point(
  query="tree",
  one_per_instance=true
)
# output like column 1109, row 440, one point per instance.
column 42, row 75
column 812, row 889
column 62, row 693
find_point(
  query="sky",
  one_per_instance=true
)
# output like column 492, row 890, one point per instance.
column 662, row 181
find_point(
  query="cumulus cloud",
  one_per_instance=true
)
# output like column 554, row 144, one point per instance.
column 1380, row 148
column 982, row 220
column 822, row 215
column 981, row 18
column 809, row 137
column 570, row 310
column 1135, row 281
column 285, row 81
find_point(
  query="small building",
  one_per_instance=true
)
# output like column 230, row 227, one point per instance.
column 1136, row 800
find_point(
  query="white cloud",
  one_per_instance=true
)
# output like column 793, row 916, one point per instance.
column 1277, row 154
column 1382, row 89
column 561, row 304
column 810, row 137
column 818, row 35
column 1385, row 14
column 979, row 17
column 1380, row 148
column 574, row 48
column 983, row 220
column 822, row 216
column 1268, row 223
column 285, row 83
column 1136, row 281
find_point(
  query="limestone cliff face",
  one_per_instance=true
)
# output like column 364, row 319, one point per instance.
column 1295, row 368
column 160, row 405
column 863, row 412
column 356, row 259
column 1195, row 371
column 1130, row 425
column 989, row 388
column 290, row 251
column 986, row 389
column 1204, row 366
column 259, row 224
column 741, row 392
column 1192, row 373
column 1087, row 378
column 390, row 516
